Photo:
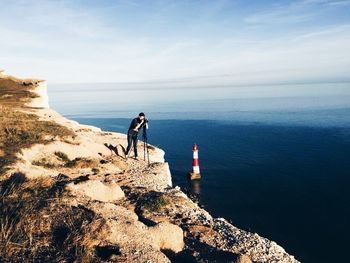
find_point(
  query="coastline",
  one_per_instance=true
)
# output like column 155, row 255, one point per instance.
column 196, row 234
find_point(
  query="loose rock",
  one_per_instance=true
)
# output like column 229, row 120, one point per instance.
column 97, row 190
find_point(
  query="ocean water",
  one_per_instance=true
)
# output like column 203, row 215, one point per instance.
column 278, row 166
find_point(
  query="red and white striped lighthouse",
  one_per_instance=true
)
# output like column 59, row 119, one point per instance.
column 195, row 167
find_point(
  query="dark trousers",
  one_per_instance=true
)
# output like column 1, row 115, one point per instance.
column 132, row 140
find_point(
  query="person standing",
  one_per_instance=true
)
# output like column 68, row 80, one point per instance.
column 136, row 125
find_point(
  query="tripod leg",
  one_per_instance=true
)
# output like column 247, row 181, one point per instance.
column 147, row 152
column 148, row 156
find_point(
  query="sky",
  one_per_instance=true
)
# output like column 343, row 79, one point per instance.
column 198, row 43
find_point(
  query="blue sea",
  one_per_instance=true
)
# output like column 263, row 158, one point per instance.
column 272, row 162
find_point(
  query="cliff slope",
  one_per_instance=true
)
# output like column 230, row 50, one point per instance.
column 66, row 197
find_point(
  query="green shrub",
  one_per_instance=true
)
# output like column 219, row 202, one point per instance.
column 95, row 170
column 62, row 156
column 153, row 201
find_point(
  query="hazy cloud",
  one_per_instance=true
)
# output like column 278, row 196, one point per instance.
column 189, row 42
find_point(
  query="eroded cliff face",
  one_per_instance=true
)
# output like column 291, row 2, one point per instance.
column 128, row 210
column 42, row 99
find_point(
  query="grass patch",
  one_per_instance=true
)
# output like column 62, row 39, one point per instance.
column 153, row 201
column 62, row 156
column 20, row 130
column 16, row 92
column 95, row 170
column 36, row 226
column 44, row 163
column 81, row 163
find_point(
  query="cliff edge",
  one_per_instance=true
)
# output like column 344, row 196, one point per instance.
column 67, row 197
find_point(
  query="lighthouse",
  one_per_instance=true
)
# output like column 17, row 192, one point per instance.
column 195, row 174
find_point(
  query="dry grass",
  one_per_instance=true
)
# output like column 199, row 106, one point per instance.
column 153, row 201
column 82, row 163
column 16, row 92
column 44, row 163
column 95, row 170
column 61, row 160
column 57, row 160
column 36, row 226
column 19, row 130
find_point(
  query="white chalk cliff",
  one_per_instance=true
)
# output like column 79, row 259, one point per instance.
column 42, row 101
column 113, row 188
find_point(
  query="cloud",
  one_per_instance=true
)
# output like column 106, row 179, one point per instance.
column 328, row 2
column 278, row 16
column 65, row 42
column 295, row 12
column 291, row 13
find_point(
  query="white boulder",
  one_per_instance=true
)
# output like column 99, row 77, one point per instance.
column 97, row 190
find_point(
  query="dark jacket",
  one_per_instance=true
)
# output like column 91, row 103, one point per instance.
column 133, row 125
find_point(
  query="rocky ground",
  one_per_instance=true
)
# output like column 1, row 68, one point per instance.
column 129, row 211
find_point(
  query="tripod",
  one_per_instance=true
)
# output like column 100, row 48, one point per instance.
column 145, row 145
